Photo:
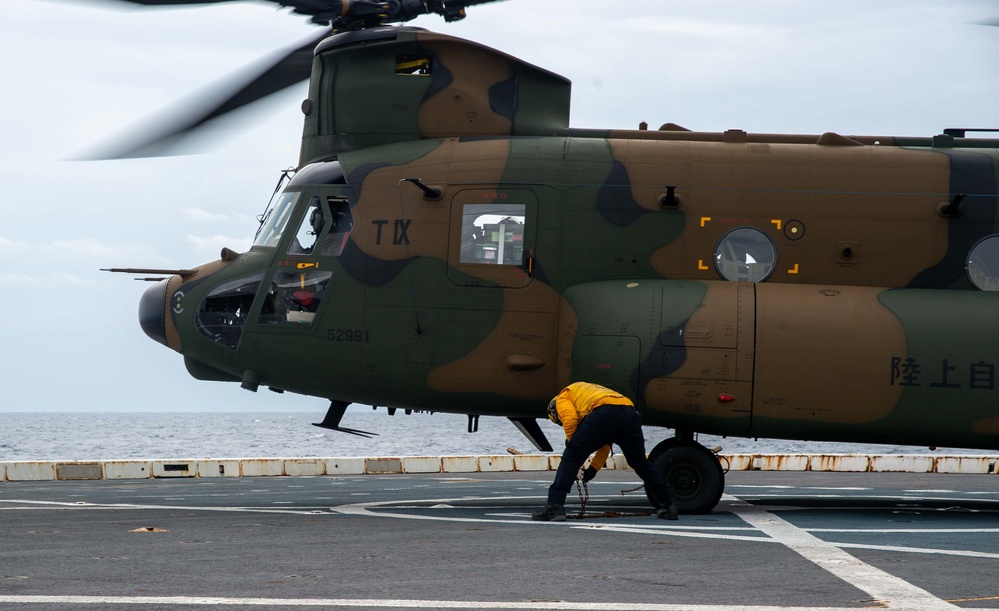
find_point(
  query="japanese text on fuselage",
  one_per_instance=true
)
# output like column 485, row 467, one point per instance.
column 908, row 371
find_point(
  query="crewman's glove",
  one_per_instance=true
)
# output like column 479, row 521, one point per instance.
column 589, row 473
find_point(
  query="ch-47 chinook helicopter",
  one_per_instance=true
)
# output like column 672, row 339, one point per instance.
column 449, row 243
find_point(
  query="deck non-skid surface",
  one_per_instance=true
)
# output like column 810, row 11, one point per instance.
column 777, row 541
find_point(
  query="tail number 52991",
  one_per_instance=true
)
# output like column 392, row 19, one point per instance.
column 347, row 335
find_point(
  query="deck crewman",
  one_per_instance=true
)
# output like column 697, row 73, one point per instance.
column 593, row 418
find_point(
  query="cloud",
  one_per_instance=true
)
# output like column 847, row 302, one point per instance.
column 713, row 29
column 197, row 215
column 9, row 247
column 73, row 252
column 211, row 245
column 60, row 280
column 85, row 247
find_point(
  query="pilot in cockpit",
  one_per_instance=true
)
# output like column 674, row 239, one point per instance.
column 316, row 220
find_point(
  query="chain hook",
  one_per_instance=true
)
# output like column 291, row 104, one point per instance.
column 584, row 494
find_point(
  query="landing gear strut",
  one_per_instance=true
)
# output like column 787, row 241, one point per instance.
column 691, row 470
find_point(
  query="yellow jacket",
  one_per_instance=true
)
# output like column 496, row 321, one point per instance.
column 579, row 399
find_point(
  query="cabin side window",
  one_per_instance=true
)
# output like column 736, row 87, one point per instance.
column 414, row 65
column 983, row 264
column 493, row 234
column 745, row 254
column 492, row 239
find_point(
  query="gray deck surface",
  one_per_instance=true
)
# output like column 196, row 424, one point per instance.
column 778, row 540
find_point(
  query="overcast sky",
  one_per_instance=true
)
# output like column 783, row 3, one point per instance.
column 75, row 73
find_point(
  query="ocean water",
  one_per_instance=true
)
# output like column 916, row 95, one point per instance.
column 109, row 436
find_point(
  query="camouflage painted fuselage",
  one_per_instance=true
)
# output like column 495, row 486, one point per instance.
column 848, row 315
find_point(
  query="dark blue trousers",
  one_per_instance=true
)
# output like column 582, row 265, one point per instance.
column 617, row 424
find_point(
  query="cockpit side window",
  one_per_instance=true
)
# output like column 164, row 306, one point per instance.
column 294, row 297
column 340, row 228
column 309, row 230
column 224, row 311
column 275, row 220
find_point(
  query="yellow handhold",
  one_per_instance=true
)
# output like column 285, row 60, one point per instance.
column 704, row 220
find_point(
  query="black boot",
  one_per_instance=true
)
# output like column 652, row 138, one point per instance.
column 550, row 513
column 669, row 512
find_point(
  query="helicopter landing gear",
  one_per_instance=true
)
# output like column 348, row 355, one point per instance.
column 691, row 470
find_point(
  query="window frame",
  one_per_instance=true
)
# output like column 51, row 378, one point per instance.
column 514, row 274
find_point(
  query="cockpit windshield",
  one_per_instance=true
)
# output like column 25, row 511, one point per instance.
column 276, row 219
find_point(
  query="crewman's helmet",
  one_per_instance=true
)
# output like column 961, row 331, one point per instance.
column 553, row 412
column 317, row 220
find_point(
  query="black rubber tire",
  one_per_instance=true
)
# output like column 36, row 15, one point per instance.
column 694, row 474
column 658, row 450
column 662, row 446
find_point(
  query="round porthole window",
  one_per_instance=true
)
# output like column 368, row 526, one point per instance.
column 745, row 255
column 983, row 264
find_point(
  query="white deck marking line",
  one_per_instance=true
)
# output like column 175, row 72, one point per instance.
column 652, row 530
column 878, row 531
column 895, row 592
column 920, row 550
column 205, row 601
column 710, row 532
column 890, row 502
column 670, row 530
column 364, row 509
column 900, row 503
column 83, row 505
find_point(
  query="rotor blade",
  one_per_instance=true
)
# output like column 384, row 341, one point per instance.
column 292, row 67
column 452, row 10
column 166, row 4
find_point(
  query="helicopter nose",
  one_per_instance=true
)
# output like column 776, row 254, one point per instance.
column 152, row 311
